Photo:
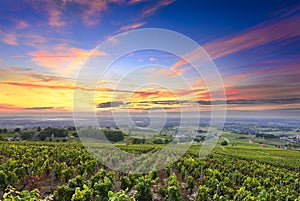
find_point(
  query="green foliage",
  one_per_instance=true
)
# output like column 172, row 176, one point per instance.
column 138, row 141
column 57, row 132
column 82, row 195
column 3, row 180
column 125, row 182
column 119, row 196
column 114, row 135
column 224, row 143
column 191, row 183
column 26, row 135
column 143, row 188
column 226, row 175
column 203, row 193
column 102, row 188
column 173, row 189
column 63, row 193
column 12, row 194
column 42, row 136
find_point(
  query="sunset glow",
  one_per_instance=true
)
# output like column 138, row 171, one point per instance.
column 45, row 43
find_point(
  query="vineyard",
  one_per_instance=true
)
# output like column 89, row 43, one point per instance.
column 66, row 171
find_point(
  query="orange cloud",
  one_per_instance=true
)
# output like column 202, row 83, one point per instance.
column 62, row 58
column 8, row 108
column 131, row 26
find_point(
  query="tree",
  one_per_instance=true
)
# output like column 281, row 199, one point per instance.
column 17, row 130
column 58, row 132
column 158, row 141
column 26, row 135
column 2, row 138
column 138, row 141
column 224, row 143
column 114, row 135
column 42, row 137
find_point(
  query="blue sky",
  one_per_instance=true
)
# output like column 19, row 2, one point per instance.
column 254, row 44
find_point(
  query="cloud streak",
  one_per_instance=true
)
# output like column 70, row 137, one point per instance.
column 131, row 26
column 259, row 35
column 62, row 58
column 151, row 10
column 10, row 39
column 256, row 36
column 39, row 108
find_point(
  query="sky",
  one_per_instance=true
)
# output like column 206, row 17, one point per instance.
column 254, row 45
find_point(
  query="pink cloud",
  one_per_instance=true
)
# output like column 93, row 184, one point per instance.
column 55, row 14
column 131, row 26
column 177, row 72
column 10, row 39
column 62, row 58
column 135, row 1
column 90, row 11
column 20, row 24
column 256, row 36
column 151, row 10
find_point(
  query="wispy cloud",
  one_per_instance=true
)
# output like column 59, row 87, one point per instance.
column 271, row 101
column 20, row 24
column 62, row 58
column 135, row 1
column 39, row 108
column 256, row 36
column 151, row 10
column 131, row 26
column 30, row 40
column 21, row 69
column 55, row 13
column 264, row 33
column 90, row 11
column 10, row 39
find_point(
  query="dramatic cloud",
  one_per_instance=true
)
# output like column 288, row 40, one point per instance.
column 256, row 36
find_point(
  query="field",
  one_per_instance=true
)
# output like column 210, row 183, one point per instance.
column 66, row 171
